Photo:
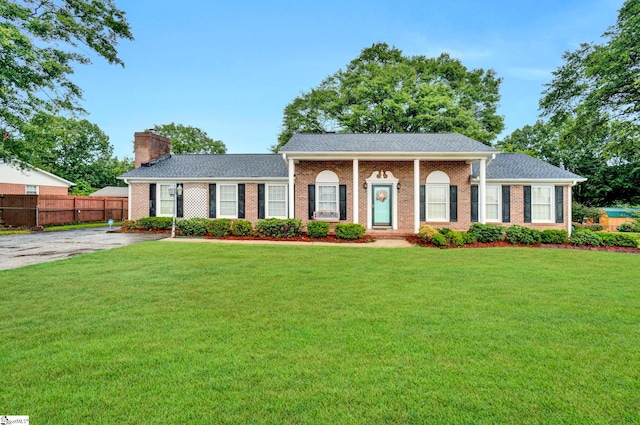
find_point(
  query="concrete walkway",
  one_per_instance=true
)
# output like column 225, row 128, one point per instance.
column 380, row 243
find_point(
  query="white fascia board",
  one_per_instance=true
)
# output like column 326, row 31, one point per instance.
column 205, row 180
column 525, row 181
column 389, row 156
column 28, row 167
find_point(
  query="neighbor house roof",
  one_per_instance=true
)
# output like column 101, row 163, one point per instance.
column 203, row 166
column 518, row 166
column 112, row 191
column 15, row 172
column 384, row 143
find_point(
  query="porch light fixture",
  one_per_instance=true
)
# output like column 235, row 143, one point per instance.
column 364, row 185
column 174, row 191
column 398, row 186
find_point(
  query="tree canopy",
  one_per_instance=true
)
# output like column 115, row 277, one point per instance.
column 188, row 139
column 384, row 91
column 600, row 84
column 41, row 42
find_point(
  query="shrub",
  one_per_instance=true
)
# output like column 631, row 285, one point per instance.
column 426, row 232
column 524, row 235
column 219, row 227
column 454, row 238
column 585, row 237
column 279, row 228
column 349, row 231
column 553, row 236
column 317, row 229
column 593, row 227
column 192, row 226
column 633, row 226
column 241, row 228
column 128, row 225
column 468, row 238
column 439, row 240
column 617, row 239
column 155, row 223
column 487, row 232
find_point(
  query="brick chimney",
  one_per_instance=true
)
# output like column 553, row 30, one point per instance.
column 149, row 146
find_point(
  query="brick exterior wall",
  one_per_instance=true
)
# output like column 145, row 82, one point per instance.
column 20, row 189
column 196, row 195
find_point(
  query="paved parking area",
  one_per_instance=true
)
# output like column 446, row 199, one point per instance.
column 38, row 247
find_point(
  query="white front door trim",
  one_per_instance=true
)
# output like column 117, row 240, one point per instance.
column 382, row 177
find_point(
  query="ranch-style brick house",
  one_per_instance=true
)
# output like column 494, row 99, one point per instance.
column 394, row 181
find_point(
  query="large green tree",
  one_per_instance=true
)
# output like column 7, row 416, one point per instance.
column 40, row 43
column 581, row 149
column 384, row 91
column 76, row 150
column 188, row 139
column 599, row 85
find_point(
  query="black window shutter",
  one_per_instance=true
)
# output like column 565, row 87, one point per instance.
column 152, row 200
column 527, row 204
column 423, row 203
column 212, row 200
column 474, row 203
column 261, row 202
column 312, row 200
column 179, row 201
column 506, row 204
column 343, row 202
column 559, row 204
column 453, row 203
column 241, row 200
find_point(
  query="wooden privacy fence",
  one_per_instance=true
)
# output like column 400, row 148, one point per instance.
column 43, row 210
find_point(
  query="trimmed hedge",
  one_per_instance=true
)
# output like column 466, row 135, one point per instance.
column 585, row 237
column 522, row 235
column 155, row 223
column 349, row 231
column 192, row 227
column 219, row 227
column 487, row 233
column 317, row 229
column 633, row 226
column 241, row 228
column 279, row 228
column 426, row 233
column 551, row 236
column 617, row 239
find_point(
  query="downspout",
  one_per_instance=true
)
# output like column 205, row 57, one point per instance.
column 128, row 198
column 570, row 207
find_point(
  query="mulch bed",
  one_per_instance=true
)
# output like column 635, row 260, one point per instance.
column 504, row 244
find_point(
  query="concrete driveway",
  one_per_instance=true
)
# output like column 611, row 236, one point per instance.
column 38, row 247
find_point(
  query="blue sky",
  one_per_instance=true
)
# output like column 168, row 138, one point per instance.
column 230, row 68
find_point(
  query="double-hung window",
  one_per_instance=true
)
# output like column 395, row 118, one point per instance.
column 166, row 201
column 493, row 203
column 327, row 184
column 276, row 201
column 228, row 200
column 437, row 196
column 542, row 204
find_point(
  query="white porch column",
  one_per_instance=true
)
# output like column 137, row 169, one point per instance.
column 355, row 191
column 416, row 195
column 292, row 211
column 569, row 208
column 482, row 189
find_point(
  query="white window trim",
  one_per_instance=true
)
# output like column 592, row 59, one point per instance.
column 26, row 189
column 499, row 197
column 218, row 196
column 552, row 209
column 266, row 201
column 337, row 198
column 159, row 200
column 447, row 201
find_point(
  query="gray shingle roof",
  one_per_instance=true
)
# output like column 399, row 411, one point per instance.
column 384, row 142
column 509, row 166
column 112, row 191
column 214, row 166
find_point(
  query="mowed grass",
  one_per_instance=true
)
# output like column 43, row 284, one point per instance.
column 208, row 333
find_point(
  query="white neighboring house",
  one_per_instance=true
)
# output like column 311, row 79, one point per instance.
column 29, row 180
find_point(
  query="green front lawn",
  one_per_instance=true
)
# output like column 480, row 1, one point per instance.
column 215, row 333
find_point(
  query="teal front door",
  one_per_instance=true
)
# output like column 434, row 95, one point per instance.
column 381, row 205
